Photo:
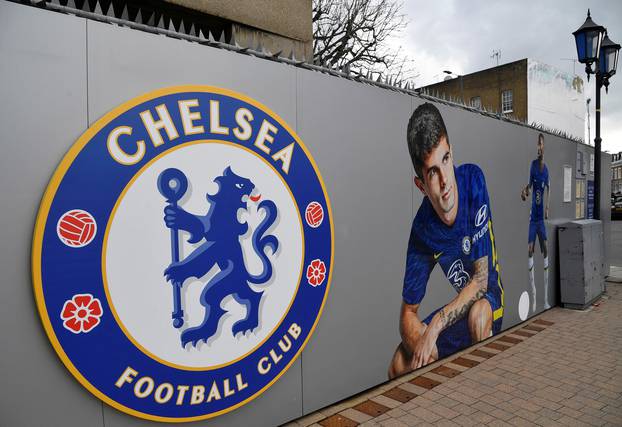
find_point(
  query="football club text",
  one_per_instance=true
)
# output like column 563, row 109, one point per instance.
column 181, row 394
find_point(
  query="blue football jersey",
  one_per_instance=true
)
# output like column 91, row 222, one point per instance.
column 455, row 248
column 539, row 179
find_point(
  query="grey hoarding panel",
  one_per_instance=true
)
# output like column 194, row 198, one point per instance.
column 557, row 153
column 488, row 143
column 357, row 136
column 507, row 171
column 280, row 403
column 43, row 89
column 125, row 63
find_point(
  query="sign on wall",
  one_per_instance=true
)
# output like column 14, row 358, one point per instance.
column 182, row 253
column 590, row 199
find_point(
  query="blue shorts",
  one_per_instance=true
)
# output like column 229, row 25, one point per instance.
column 457, row 336
column 537, row 227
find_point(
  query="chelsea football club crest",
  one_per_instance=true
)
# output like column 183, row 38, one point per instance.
column 183, row 253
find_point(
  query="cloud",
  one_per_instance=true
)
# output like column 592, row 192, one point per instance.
column 460, row 36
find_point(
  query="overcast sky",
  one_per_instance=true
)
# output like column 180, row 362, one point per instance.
column 461, row 35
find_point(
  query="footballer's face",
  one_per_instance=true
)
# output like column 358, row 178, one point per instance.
column 540, row 148
column 439, row 182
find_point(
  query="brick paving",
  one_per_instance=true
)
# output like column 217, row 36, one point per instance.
column 563, row 368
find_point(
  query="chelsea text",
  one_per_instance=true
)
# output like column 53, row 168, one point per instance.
column 126, row 150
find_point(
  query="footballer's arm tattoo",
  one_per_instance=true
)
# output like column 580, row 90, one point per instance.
column 473, row 291
column 421, row 339
column 424, row 350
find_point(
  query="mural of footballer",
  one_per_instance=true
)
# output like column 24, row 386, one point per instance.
column 538, row 183
column 453, row 228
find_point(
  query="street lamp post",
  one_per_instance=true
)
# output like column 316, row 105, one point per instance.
column 595, row 47
column 587, row 103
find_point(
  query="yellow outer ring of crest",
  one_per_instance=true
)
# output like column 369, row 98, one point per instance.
column 48, row 197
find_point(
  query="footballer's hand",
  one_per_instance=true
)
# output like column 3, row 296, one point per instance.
column 546, row 213
column 522, row 195
column 423, row 353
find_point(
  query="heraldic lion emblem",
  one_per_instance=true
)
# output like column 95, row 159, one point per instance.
column 219, row 231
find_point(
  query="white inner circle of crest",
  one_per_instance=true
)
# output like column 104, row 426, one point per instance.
column 138, row 249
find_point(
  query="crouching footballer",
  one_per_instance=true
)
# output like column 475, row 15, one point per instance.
column 452, row 228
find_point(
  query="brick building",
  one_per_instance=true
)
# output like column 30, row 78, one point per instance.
column 526, row 90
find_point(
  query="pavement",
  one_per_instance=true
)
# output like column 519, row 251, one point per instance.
column 560, row 368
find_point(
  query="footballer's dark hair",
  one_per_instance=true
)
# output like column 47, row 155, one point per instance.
column 425, row 130
column 541, row 137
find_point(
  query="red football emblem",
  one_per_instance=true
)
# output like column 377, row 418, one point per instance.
column 314, row 214
column 76, row 228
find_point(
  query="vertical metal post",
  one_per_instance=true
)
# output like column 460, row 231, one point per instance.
column 589, row 135
column 597, row 141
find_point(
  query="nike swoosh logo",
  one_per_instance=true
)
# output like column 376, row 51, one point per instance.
column 437, row 256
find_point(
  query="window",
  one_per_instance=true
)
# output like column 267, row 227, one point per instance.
column 580, row 170
column 580, row 198
column 567, row 183
column 507, row 105
column 476, row 102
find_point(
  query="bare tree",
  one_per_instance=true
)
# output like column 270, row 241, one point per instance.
column 355, row 34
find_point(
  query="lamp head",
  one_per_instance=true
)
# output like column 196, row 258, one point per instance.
column 588, row 38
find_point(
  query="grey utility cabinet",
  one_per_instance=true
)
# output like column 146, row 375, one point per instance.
column 580, row 262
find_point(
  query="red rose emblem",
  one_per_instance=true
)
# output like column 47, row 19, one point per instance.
column 316, row 272
column 81, row 313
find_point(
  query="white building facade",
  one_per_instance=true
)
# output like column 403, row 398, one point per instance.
column 555, row 99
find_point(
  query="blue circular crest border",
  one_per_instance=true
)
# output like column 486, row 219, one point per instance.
column 89, row 178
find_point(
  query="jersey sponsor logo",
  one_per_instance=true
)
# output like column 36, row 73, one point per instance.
column 481, row 215
column 466, row 245
column 480, row 233
column 203, row 264
column 538, row 195
column 457, row 275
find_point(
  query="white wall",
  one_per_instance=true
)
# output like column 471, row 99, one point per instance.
column 555, row 99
